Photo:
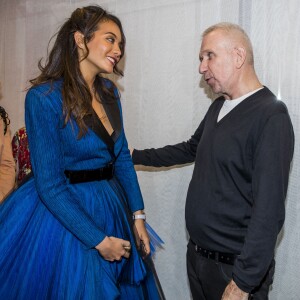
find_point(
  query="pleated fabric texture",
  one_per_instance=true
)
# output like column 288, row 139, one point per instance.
column 40, row 259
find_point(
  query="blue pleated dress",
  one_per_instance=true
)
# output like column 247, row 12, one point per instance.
column 49, row 227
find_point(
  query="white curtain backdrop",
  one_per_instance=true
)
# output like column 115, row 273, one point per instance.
column 164, row 98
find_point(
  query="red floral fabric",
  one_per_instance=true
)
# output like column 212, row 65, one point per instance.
column 21, row 154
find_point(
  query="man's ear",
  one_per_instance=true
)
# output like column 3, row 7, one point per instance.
column 241, row 54
column 79, row 40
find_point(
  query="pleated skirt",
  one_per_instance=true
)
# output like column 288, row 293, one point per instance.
column 41, row 259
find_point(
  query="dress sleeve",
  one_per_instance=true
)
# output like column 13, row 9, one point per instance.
column 7, row 163
column 272, row 159
column 126, row 175
column 170, row 155
column 43, row 123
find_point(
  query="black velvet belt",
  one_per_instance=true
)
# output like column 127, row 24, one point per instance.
column 80, row 176
column 226, row 258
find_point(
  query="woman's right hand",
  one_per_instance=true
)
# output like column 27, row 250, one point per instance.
column 112, row 248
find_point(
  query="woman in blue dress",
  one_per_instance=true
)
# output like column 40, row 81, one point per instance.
column 67, row 233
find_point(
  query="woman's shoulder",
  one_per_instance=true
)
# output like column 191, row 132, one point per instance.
column 47, row 88
column 108, row 83
column 112, row 89
column 46, row 94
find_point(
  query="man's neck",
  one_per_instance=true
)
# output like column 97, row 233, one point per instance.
column 245, row 84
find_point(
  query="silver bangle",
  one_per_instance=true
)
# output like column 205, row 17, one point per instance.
column 137, row 217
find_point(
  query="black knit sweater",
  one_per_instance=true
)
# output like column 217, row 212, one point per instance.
column 235, row 200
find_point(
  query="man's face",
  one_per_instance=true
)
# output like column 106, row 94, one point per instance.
column 217, row 62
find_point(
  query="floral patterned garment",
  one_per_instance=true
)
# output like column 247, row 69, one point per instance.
column 21, row 154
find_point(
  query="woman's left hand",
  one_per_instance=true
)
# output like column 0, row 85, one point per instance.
column 143, row 236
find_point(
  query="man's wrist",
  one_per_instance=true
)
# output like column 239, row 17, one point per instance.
column 236, row 289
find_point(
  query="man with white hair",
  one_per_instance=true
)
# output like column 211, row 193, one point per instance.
column 242, row 151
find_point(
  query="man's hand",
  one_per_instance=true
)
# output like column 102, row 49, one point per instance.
column 130, row 150
column 233, row 292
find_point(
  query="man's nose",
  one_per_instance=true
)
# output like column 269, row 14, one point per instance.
column 202, row 67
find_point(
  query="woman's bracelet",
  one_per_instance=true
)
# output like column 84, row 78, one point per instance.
column 141, row 216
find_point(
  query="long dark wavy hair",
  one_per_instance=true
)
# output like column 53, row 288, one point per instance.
column 63, row 62
column 5, row 118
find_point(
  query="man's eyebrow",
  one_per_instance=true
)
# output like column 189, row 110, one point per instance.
column 207, row 51
column 203, row 53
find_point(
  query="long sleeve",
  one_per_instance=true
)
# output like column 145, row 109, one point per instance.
column 43, row 123
column 7, row 163
column 170, row 155
column 270, row 181
column 126, row 175
column 125, row 172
